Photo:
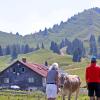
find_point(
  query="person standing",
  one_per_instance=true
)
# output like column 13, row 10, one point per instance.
column 92, row 77
column 52, row 82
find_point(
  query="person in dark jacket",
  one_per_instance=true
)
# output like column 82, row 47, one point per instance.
column 92, row 76
column 52, row 82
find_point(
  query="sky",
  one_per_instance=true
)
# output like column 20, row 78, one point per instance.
column 29, row 16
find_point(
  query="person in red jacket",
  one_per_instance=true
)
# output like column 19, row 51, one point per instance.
column 93, row 79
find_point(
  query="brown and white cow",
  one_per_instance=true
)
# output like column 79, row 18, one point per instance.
column 68, row 85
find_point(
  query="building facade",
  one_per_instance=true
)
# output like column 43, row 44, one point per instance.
column 26, row 76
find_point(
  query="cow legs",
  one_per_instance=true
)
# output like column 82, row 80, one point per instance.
column 63, row 97
column 69, row 96
column 76, row 95
column 92, row 98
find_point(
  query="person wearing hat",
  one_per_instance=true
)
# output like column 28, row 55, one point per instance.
column 52, row 82
column 92, row 76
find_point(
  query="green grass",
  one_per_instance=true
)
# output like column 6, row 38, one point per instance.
column 25, row 95
column 21, row 95
column 4, row 62
column 28, row 97
column 81, row 97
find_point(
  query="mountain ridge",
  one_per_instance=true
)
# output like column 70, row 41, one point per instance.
column 80, row 26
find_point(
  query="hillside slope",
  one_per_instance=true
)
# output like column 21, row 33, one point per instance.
column 81, row 25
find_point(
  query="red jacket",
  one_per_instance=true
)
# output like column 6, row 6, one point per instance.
column 93, row 73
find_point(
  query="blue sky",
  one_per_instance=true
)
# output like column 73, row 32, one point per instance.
column 29, row 16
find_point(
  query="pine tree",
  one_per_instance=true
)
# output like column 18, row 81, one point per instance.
column 99, row 41
column 26, row 49
column 42, row 46
column 76, row 49
column 93, row 47
column 54, row 47
column 45, row 32
column 62, row 44
column 14, row 53
column 7, row 50
column 37, row 48
column 1, row 51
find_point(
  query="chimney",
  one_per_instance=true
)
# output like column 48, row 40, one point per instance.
column 24, row 60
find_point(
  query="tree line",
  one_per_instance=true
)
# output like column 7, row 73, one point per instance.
column 16, row 49
column 77, row 49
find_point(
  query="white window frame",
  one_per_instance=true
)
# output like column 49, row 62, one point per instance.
column 6, row 80
column 44, row 81
column 31, row 80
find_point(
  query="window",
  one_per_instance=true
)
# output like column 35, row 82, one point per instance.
column 31, row 80
column 6, row 80
column 23, row 69
column 14, row 70
column 44, row 81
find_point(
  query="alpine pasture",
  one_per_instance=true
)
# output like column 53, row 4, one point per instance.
column 40, row 56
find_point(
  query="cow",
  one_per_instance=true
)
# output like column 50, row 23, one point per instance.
column 69, row 84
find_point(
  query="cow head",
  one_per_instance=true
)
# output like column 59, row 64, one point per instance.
column 62, row 80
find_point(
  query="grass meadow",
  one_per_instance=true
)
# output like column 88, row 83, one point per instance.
column 23, row 95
